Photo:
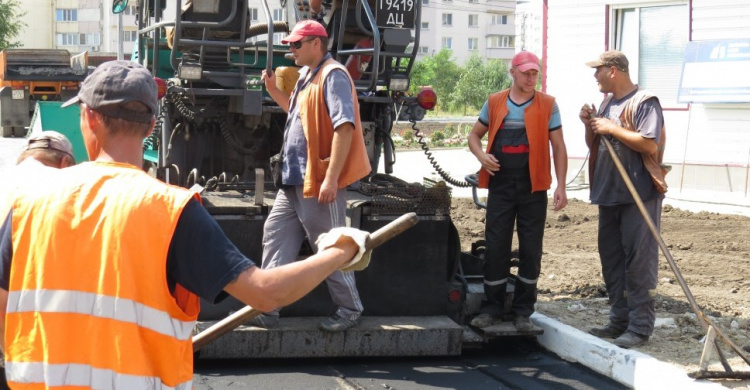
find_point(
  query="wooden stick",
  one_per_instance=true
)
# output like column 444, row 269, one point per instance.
column 705, row 321
column 247, row 313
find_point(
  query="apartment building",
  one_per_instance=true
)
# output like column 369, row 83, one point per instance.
column 76, row 25
column 529, row 26
column 486, row 27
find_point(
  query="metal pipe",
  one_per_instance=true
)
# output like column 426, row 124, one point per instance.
column 269, row 41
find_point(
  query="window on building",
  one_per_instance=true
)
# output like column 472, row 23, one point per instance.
column 130, row 10
column 89, row 39
column 499, row 19
column 447, row 1
column 447, row 19
column 424, row 50
column 278, row 15
column 425, row 2
column 473, row 43
column 129, row 36
column 500, row 41
column 474, row 1
column 654, row 39
column 473, row 20
column 70, row 39
column 447, row 43
column 253, row 13
column 66, row 15
column 425, row 25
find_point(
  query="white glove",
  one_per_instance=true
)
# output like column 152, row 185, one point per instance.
column 361, row 260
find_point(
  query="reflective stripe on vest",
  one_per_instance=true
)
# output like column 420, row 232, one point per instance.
column 88, row 283
column 101, row 306
column 82, row 375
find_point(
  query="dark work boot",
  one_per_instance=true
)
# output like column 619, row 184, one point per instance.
column 630, row 339
column 609, row 331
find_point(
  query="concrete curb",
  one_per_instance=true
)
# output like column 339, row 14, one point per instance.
column 631, row 368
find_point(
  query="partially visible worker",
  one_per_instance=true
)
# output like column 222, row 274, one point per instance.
column 323, row 152
column 632, row 120
column 50, row 148
column 103, row 266
column 43, row 151
column 522, row 124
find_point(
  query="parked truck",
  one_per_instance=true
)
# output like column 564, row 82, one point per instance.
column 217, row 128
column 31, row 75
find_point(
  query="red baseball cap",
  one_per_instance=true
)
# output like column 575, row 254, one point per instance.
column 525, row 60
column 305, row 28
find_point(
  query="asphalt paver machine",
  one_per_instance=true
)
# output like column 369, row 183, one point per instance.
column 217, row 128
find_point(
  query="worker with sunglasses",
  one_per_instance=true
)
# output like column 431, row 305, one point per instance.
column 322, row 153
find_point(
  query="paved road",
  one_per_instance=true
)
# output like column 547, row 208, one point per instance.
column 514, row 364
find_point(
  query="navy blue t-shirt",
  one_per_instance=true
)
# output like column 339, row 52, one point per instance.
column 201, row 258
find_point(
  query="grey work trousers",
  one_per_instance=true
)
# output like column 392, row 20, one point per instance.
column 629, row 255
column 294, row 217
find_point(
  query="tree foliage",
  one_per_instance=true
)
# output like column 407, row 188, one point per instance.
column 439, row 71
column 10, row 23
column 457, row 87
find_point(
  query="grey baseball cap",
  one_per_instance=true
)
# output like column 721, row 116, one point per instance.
column 50, row 139
column 114, row 83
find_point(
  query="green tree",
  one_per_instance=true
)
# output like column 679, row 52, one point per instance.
column 10, row 23
column 478, row 80
column 469, row 91
column 439, row 71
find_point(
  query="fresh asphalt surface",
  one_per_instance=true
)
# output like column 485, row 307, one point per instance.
column 517, row 363
column 508, row 364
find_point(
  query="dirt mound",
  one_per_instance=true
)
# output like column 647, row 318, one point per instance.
column 713, row 254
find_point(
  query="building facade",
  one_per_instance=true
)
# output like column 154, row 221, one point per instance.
column 529, row 26
column 486, row 27
column 708, row 143
column 77, row 26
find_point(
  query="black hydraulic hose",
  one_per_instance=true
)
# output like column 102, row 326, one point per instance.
column 389, row 157
column 433, row 162
column 152, row 141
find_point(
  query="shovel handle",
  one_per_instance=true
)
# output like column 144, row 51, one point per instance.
column 377, row 238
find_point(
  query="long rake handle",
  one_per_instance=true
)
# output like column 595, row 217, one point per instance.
column 377, row 238
column 705, row 321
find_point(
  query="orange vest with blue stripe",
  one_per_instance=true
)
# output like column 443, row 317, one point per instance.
column 89, row 305
column 536, row 119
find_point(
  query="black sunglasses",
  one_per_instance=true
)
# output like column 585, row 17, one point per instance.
column 298, row 44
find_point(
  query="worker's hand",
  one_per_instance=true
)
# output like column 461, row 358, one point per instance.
column 316, row 6
column 328, row 191
column 587, row 113
column 269, row 79
column 360, row 260
column 560, row 198
column 603, row 126
column 489, row 163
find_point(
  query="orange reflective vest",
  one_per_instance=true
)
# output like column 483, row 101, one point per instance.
column 88, row 301
column 536, row 119
column 319, row 134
